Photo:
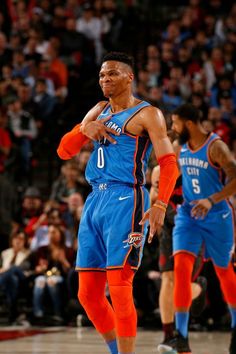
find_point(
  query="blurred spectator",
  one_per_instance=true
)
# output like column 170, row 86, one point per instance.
column 5, row 141
column 44, row 102
column 51, row 216
column 220, row 126
column 67, row 183
column 93, row 28
column 10, row 275
column 5, row 52
column 7, row 210
column 72, row 213
column 31, row 205
column 224, row 84
column 75, row 45
column 24, row 130
column 51, row 265
column 20, row 66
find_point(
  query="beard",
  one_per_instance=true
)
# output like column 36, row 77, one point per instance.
column 183, row 136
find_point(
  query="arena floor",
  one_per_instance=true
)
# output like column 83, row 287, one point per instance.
column 64, row 340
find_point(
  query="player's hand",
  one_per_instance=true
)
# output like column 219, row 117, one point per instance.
column 96, row 130
column 201, row 208
column 156, row 218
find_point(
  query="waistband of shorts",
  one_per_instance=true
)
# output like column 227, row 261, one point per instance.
column 110, row 185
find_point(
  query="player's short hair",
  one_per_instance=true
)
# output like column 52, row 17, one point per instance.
column 120, row 56
column 188, row 112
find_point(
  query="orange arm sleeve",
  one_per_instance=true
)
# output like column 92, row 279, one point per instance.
column 71, row 143
column 168, row 175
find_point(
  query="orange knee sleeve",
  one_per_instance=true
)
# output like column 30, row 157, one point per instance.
column 227, row 279
column 92, row 297
column 121, row 291
column 183, row 267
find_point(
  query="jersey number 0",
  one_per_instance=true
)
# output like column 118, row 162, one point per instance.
column 100, row 162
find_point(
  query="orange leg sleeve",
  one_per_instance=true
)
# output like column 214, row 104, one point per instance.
column 92, row 297
column 183, row 268
column 121, row 291
column 227, row 279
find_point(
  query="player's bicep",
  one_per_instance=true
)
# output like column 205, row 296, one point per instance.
column 156, row 128
column 220, row 155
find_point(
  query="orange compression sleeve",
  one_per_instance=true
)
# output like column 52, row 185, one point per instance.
column 168, row 175
column 71, row 143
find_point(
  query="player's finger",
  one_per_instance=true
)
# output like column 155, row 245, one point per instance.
column 193, row 202
column 151, row 233
column 109, row 138
column 111, row 131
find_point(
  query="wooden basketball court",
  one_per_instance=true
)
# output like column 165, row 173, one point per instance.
column 67, row 340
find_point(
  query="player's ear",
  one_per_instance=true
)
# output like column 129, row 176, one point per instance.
column 130, row 76
column 189, row 124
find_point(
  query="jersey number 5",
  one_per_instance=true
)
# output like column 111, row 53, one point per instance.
column 196, row 187
column 100, row 163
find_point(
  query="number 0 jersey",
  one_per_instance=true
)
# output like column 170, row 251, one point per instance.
column 125, row 161
column 200, row 177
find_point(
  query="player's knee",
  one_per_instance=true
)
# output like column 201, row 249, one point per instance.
column 122, row 301
column 167, row 279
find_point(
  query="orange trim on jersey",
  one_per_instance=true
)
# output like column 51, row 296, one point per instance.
column 208, row 155
column 91, row 269
column 184, row 251
column 135, row 165
column 125, row 261
column 133, row 214
column 200, row 147
column 128, row 119
column 144, row 151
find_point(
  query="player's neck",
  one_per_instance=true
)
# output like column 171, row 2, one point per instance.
column 122, row 102
column 197, row 139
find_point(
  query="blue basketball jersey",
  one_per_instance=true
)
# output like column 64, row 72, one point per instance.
column 200, row 177
column 125, row 161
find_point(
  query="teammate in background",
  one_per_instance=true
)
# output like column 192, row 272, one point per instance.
column 205, row 217
column 113, row 225
column 166, row 266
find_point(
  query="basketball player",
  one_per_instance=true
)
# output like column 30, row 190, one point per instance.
column 166, row 266
column 113, row 225
column 205, row 217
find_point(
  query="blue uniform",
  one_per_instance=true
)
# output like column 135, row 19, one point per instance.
column 109, row 232
column 200, row 180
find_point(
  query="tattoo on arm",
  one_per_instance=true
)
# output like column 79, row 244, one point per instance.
column 222, row 157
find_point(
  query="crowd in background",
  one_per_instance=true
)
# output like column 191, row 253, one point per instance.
column 50, row 53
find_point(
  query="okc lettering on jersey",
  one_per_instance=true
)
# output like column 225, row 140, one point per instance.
column 134, row 239
column 113, row 126
column 194, row 171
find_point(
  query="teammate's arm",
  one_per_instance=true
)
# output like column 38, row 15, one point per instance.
column 154, row 124
column 90, row 128
column 221, row 156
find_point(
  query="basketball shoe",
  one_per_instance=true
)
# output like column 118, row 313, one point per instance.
column 180, row 344
column 165, row 347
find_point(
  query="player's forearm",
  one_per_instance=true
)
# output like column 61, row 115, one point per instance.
column 169, row 173
column 228, row 190
column 71, row 143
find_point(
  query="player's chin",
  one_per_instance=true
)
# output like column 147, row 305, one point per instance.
column 107, row 93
